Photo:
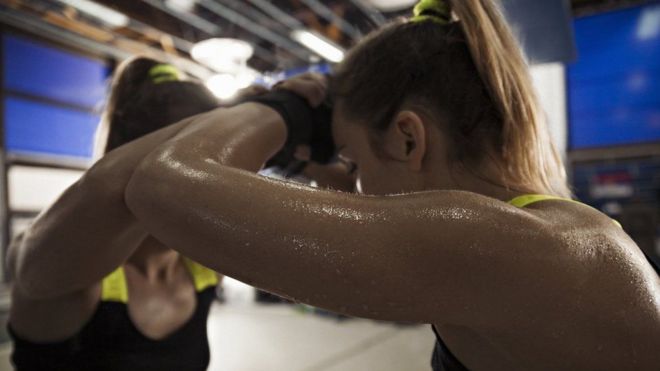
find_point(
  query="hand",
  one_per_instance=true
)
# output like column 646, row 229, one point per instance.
column 250, row 91
column 301, row 102
column 311, row 86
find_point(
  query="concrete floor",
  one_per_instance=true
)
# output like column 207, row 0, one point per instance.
column 277, row 337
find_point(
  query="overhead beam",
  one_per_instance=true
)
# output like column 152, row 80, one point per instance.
column 278, row 14
column 196, row 22
column 371, row 12
column 253, row 27
column 35, row 25
column 330, row 16
column 189, row 18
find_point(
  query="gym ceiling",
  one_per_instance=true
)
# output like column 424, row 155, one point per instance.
column 169, row 28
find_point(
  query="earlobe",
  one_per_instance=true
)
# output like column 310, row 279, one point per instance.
column 411, row 126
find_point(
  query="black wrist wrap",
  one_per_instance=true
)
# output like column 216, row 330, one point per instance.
column 298, row 117
column 305, row 126
column 321, row 142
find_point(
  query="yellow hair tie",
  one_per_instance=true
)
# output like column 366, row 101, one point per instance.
column 437, row 11
column 164, row 73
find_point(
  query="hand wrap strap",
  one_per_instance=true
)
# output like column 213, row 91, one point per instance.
column 305, row 126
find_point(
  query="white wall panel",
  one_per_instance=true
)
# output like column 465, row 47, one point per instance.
column 34, row 188
column 550, row 83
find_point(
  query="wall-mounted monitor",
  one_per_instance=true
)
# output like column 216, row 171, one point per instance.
column 52, row 100
column 614, row 86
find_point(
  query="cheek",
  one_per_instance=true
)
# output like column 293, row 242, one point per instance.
column 372, row 181
column 358, row 186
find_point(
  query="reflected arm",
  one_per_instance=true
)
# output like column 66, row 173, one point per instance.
column 88, row 231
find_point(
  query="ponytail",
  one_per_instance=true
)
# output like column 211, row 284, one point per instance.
column 528, row 150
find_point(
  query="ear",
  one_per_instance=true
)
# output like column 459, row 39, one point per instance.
column 407, row 139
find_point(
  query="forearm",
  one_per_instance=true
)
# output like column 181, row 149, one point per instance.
column 88, row 231
column 293, row 240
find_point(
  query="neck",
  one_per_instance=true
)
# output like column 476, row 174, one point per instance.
column 483, row 181
column 153, row 260
column 486, row 186
column 441, row 172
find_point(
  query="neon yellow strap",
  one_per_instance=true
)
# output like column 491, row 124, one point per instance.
column 163, row 73
column 437, row 11
column 526, row 200
column 114, row 287
column 202, row 276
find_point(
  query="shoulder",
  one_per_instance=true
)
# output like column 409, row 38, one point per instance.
column 468, row 217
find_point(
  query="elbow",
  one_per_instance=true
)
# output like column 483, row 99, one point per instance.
column 28, row 280
column 21, row 272
column 148, row 187
column 138, row 194
column 28, row 274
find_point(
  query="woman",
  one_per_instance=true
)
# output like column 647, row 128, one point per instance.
column 438, row 118
column 115, row 305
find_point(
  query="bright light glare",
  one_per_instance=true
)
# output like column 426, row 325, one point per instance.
column 103, row 13
column 222, row 54
column 246, row 77
column 319, row 45
column 180, row 5
column 224, row 86
column 390, row 5
column 649, row 24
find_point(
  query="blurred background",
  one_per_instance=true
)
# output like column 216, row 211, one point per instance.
column 595, row 64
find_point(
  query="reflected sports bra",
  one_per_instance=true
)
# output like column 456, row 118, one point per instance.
column 110, row 340
column 443, row 359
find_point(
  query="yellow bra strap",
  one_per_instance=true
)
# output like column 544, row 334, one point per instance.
column 202, row 276
column 525, row 200
column 114, row 287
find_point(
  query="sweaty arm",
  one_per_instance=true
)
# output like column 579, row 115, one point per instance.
column 392, row 257
column 88, row 231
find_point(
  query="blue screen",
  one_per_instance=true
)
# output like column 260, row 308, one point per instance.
column 614, row 87
column 37, row 128
column 43, row 71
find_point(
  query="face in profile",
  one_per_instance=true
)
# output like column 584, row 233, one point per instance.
column 367, row 154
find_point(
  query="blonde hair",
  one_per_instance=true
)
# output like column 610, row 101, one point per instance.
column 528, row 150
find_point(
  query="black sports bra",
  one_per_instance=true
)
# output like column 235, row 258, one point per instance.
column 110, row 340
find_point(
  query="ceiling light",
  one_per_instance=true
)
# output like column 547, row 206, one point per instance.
column 246, row 77
column 319, row 45
column 648, row 26
column 391, row 5
column 181, row 5
column 103, row 13
column 222, row 54
column 224, row 86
